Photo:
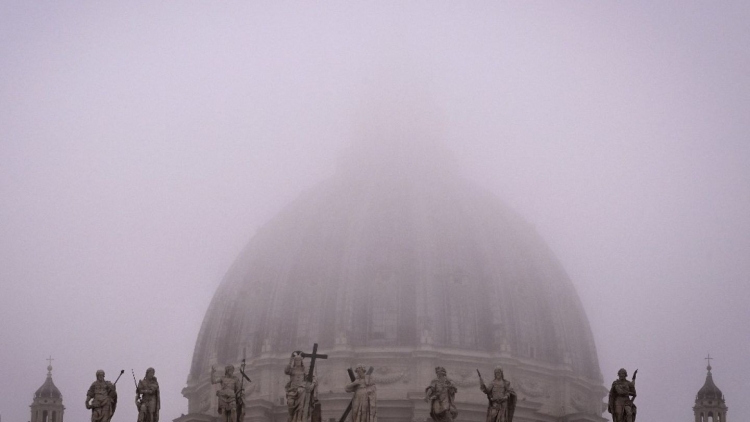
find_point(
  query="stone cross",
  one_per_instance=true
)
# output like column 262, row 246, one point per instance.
column 314, row 355
column 49, row 367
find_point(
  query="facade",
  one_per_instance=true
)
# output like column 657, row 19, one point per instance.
column 404, row 266
column 47, row 405
column 710, row 405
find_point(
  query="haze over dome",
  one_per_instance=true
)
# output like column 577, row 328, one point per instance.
column 400, row 263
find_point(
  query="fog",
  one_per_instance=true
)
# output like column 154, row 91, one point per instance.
column 142, row 145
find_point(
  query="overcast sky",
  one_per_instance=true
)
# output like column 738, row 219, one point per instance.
column 142, row 145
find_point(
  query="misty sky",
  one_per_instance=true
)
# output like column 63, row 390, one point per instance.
column 142, row 145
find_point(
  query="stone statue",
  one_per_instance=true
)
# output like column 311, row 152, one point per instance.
column 501, row 397
column 301, row 395
column 101, row 399
column 621, row 397
column 364, row 402
column 229, row 394
column 441, row 394
column 148, row 398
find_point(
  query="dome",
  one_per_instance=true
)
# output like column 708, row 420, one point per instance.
column 389, row 262
column 709, row 389
column 48, row 389
column 405, row 267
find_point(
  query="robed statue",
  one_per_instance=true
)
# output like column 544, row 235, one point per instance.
column 364, row 402
column 230, row 395
column 101, row 398
column 301, row 393
column 148, row 398
column 441, row 394
column 500, row 396
column 621, row 397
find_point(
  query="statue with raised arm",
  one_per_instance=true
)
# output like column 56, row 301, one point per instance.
column 364, row 402
column 441, row 394
column 621, row 397
column 101, row 398
column 500, row 396
column 301, row 394
column 229, row 393
column 148, row 398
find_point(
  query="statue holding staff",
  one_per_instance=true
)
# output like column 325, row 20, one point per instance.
column 101, row 398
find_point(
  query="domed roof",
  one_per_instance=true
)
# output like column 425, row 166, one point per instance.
column 398, row 254
column 709, row 389
column 48, row 389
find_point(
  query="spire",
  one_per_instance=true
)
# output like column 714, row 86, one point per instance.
column 49, row 367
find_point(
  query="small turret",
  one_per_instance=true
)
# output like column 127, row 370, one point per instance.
column 709, row 402
column 47, row 405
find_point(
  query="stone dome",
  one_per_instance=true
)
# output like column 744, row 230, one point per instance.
column 709, row 389
column 48, row 389
column 391, row 262
column 405, row 265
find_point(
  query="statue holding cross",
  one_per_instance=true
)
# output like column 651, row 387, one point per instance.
column 364, row 403
column 301, row 390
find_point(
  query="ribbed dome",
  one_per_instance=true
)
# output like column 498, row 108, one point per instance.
column 709, row 389
column 48, row 389
column 402, row 255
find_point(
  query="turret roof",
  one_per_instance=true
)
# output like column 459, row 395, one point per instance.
column 48, row 389
column 709, row 389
